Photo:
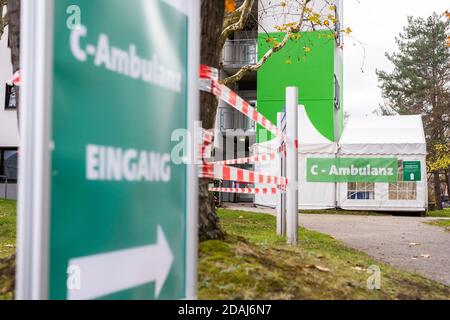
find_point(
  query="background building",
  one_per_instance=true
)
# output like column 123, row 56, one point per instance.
column 9, row 135
column 318, row 74
column 237, row 132
column 313, row 63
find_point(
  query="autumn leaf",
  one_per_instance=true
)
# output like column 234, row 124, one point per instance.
column 414, row 244
column 230, row 6
column 447, row 14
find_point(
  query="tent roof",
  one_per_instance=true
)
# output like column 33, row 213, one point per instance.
column 384, row 135
column 310, row 140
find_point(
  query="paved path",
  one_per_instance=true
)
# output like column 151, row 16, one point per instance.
column 389, row 239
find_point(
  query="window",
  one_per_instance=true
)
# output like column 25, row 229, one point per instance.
column 8, row 163
column 402, row 190
column 10, row 97
column 361, row 191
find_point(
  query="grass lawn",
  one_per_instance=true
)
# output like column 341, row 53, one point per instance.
column 253, row 263
column 440, row 213
column 441, row 223
column 7, row 247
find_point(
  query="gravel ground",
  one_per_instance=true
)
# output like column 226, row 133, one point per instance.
column 404, row 242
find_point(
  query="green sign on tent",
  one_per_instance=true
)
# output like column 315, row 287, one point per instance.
column 412, row 171
column 116, row 220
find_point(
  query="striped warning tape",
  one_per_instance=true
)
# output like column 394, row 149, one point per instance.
column 249, row 160
column 221, row 172
column 207, row 72
column 209, row 83
column 16, row 79
column 265, row 191
column 206, row 146
column 256, row 158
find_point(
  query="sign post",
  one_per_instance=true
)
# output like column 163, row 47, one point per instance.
column 292, row 165
column 104, row 212
column 281, row 196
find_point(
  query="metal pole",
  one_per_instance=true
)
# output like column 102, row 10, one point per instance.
column 281, row 196
column 292, row 165
column 5, row 182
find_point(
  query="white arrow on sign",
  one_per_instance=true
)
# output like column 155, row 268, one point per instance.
column 108, row 273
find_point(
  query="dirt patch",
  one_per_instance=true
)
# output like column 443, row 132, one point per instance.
column 7, row 277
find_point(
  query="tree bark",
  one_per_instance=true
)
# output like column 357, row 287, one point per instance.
column 212, row 14
column 437, row 190
column 448, row 183
column 13, row 9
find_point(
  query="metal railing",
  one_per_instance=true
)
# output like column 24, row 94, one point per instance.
column 230, row 119
column 238, row 53
column 5, row 182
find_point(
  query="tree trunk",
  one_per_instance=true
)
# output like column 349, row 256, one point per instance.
column 448, row 183
column 13, row 8
column 437, row 190
column 212, row 13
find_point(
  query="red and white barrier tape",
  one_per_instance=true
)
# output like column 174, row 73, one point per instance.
column 15, row 80
column 206, row 138
column 265, row 191
column 207, row 72
column 221, row 172
column 249, row 160
column 209, row 83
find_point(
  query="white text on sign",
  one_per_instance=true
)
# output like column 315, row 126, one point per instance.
column 125, row 62
column 115, row 164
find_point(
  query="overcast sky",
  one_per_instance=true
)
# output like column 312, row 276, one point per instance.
column 376, row 23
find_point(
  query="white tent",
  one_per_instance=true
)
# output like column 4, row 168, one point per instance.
column 400, row 137
column 311, row 144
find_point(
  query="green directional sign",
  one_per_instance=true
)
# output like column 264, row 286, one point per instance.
column 120, row 218
column 412, row 171
column 344, row 170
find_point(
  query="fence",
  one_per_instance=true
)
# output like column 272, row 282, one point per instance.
column 240, row 52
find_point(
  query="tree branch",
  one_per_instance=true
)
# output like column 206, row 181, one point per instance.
column 3, row 19
column 235, row 21
column 255, row 67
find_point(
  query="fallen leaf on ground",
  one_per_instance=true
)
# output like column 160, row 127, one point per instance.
column 320, row 268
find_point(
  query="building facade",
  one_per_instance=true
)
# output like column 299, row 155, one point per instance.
column 313, row 63
column 9, row 133
column 237, row 133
